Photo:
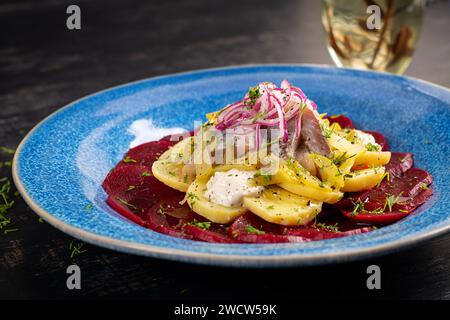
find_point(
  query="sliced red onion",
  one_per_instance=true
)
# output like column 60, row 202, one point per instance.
column 268, row 110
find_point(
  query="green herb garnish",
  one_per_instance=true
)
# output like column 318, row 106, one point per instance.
column 75, row 248
column 372, row 147
column 252, row 229
column 253, row 94
column 128, row 159
column 205, row 225
column 5, row 204
column 264, row 176
column 191, row 198
column 329, row 227
column 123, row 201
column 7, row 150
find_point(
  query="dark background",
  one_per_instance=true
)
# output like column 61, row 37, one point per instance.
column 44, row 66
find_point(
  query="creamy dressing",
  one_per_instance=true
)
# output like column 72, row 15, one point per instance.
column 228, row 188
column 144, row 131
column 366, row 138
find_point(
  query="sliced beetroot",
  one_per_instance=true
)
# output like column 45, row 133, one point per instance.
column 217, row 235
column 168, row 216
column 175, row 138
column 159, row 222
column 384, row 218
column 135, row 187
column 403, row 189
column 399, row 163
column 343, row 121
column 145, row 154
column 392, row 200
column 252, row 229
column 315, row 233
column 136, row 181
column 124, row 210
column 380, row 139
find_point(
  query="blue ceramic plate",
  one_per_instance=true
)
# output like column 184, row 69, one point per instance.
column 60, row 165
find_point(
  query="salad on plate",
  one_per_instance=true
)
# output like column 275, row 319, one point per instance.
column 266, row 169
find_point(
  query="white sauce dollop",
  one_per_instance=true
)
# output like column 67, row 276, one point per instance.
column 228, row 188
column 144, row 131
column 366, row 138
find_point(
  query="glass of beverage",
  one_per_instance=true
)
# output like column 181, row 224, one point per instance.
column 372, row 34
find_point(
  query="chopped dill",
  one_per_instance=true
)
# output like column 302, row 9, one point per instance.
column 328, row 227
column 253, row 94
column 191, row 198
column 252, row 229
column 372, row 147
column 7, row 150
column 128, row 159
column 205, row 225
column 76, row 248
column 123, row 201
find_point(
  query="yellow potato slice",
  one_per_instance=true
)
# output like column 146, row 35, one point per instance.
column 325, row 194
column 211, row 211
column 279, row 206
column 285, row 171
column 373, row 158
column 171, row 175
column 363, row 179
column 168, row 168
column 340, row 143
column 329, row 172
column 179, row 153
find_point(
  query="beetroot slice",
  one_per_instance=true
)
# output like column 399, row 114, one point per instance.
column 168, row 216
column 145, row 154
column 409, row 191
column 175, row 138
column 133, row 181
column 315, row 233
column 406, row 188
column 242, row 227
column 136, row 188
column 218, row 236
column 399, row 163
column 380, row 139
column 343, row 121
column 159, row 223
column 384, row 218
column 121, row 208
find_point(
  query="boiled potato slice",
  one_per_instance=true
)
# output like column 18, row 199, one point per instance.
column 363, row 179
column 181, row 152
column 324, row 194
column 211, row 211
column 285, row 171
column 168, row 167
column 339, row 143
column 279, row 206
column 171, row 174
column 329, row 172
column 373, row 158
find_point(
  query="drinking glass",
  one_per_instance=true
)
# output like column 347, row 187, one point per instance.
column 372, row 34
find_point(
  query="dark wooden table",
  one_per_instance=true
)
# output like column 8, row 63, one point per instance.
column 43, row 66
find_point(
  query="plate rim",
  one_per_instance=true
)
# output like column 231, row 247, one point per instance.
column 210, row 258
